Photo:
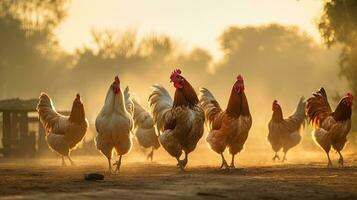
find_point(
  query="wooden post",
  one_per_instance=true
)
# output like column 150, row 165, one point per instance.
column 14, row 137
column 24, row 144
column 6, row 131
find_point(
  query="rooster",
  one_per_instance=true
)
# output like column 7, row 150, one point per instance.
column 285, row 133
column 114, row 123
column 181, row 121
column 63, row 133
column 230, row 127
column 144, row 129
column 330, row 127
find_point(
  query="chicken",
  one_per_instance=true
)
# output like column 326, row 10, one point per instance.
column 181, row 121
column 230, row 127
column 330, row 127
column 286, row 133
column 144, row 129
column 63, row 133
column 114, row 124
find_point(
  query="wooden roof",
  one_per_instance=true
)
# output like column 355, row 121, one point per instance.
column 17, row 104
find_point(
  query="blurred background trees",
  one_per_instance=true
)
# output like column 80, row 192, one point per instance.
column 277, row 62
column 29, row 51
column 338, row 26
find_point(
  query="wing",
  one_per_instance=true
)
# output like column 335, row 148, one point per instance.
column 160, row 105
column 209, row 105
column 318, row 108
column 142, row 118
column 129, row 105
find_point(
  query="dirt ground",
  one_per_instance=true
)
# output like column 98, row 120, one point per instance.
column 45, row 179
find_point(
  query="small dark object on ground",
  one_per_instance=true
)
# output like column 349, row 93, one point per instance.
column 93, row 176
column 211, row 194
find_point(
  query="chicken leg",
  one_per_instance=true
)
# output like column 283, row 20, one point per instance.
column 151, row 155
column 71, row 161
column 276, row 157
column 224, row 164
column 109, row 166
column 329, row 164
column 340, row 160
column 63, row 162
column 118, row 164
column 284, row 157
column 180, row 164
column 232, row 162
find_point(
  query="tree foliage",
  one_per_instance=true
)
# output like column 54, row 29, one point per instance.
column 29, row 51
column 338, row 25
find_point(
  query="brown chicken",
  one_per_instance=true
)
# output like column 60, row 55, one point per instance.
column 227, row 128
column 180, row 121
column 63, row 133
column 330, row 127
column 285, row 133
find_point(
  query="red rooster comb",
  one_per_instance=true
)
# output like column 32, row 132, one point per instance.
column 175, row 74
column 116, row 79
column 349, row 94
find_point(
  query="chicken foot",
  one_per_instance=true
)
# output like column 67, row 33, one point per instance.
column 329, row 164
column 71, row 161
column 284, row 157
column 151, row 155
column 340, row 160
column 276, row 157
column 109, row 166
column 224, row 164
column 232, row 162
column 118, row 164
column 63, row 162
column 182, row 163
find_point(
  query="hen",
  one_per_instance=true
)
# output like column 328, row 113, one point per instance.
column 285, row 133
column 114, row 123
column 181, row 120
column 144, row 129
column 230, row 127
column 330, row 127
column 63, row 133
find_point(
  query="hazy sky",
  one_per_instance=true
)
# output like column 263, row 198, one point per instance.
column 192, row 22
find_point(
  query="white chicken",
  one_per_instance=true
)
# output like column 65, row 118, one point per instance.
column 144, row 129
column 114, row 124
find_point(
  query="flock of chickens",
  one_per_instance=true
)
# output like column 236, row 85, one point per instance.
column 180, row 123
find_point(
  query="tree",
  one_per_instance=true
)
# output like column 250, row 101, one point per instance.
column 338, row 25
column 29, row 52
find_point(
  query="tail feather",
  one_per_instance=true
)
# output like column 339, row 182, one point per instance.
column 317, row 107
column 160, row 103
column 209, row 104
column 299, row 113
column 47, row 113
column 129, row 105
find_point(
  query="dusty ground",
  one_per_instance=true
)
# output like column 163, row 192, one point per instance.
column 44, row 179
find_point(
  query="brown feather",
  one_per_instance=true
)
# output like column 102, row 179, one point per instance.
column 185, row 96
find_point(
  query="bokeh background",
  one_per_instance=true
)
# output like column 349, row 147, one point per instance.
column 284, row 49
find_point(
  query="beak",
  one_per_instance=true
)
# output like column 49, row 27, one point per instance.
column 171, row 81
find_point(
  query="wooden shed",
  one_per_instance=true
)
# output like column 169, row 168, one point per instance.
column 22, row 134
column 17, row 139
